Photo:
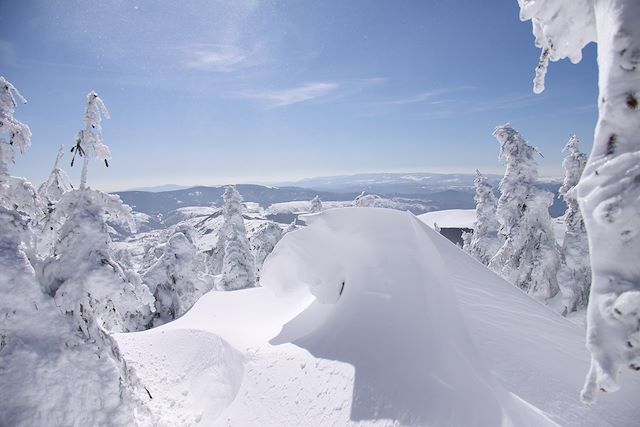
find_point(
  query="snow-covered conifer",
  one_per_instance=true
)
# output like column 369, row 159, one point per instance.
column 263, row 239
column 233, row 229
column 367, row 200
column 82, row 274
column 574, row 276
column 529, row 256
column 56, row 184
column 315, row 205
column 174, row 280
column 89, row 140
column 484, row 243
column 15, row 193
column 238, row 266
column 609, row 190
column 49, row 193
column 45, row 363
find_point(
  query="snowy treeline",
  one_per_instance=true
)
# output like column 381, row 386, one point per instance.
column 514, row 235
column 609, row 189
column 53, row 324
column 66, row 290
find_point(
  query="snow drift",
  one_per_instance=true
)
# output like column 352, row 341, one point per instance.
column 368, row 317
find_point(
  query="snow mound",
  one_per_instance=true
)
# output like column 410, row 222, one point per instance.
column 391, row 315
column 420, row 334
column 190, row 375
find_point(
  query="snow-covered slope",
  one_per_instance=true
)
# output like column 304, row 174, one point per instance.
column 419, row 334
column 450, row 218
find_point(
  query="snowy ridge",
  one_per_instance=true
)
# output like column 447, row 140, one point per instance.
column 481, row 345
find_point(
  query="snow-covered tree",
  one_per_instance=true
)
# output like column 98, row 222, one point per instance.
column 574, row 276
column 233, row 246
column 263, row 239
column 174, row 279
column 367, row 200
column 49, row 193
column 56, row 184
column 82, row 274
column 609, row 190
column 484, row 243
column 238, row 266
column 315, row 205
column 45, row 362
column 15, row 193
column 89, row 140
column 529, row 256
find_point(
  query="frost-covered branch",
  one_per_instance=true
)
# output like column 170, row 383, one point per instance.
column 609, row 190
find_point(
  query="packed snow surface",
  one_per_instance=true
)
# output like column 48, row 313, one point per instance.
column 369, row 317
column 450, row 218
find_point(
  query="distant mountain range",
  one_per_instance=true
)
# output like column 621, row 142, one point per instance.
column 437, row 191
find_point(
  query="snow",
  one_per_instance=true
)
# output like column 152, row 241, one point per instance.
column 421, row 334
column 450, row 218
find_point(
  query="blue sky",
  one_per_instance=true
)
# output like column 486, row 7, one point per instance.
column 211, row 92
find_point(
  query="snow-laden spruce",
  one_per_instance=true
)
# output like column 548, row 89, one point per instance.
column 574, row 276
column 484, row 242
column 89, row 143
column 232, row 255
column 56, row 184
column 263, row 239
column 315, row 205
column 529, row 257
column 49, row 374
column 174, row 280
column 609, row 190
column 82, row 274
column 49, row 193
column 15, row 193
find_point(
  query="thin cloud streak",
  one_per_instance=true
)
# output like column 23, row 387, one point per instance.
column 294, row 95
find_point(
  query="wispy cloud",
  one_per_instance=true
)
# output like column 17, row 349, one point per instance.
column 293, row 95
column 429, row 97
column 217, row 58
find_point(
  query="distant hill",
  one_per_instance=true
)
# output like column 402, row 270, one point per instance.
column 435, row 191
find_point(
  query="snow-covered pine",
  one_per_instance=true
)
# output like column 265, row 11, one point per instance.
column 484, row 242
column 315, row 205
column 89, row 140
column 529, row 256
column 609, row 190
column 174, row 279
column 263, row 239
column 574, row 276
column 82, row 274
column 56, row 184
column 49, row 193
column 238, row 265
column 368, row 200
column 15, row 193
column 45, row 363
column 233, row 229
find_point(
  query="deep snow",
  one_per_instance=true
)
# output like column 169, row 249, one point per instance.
column 421, row 334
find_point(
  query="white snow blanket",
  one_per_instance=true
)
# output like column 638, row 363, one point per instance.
column 369, row 317
column 450, row 218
